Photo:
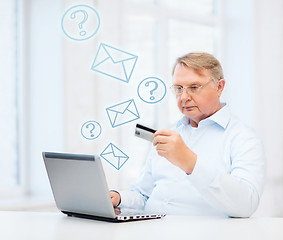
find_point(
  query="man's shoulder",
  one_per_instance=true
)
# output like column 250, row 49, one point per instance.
column 233, row 121
column 236, row 122
column 239, row 130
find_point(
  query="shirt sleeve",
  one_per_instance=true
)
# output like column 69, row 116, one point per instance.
column 238, row 192
column 140, row 190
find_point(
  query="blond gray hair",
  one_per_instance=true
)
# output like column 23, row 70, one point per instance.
column 199, row 61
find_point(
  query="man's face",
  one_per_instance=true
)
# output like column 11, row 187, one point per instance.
column 200, row 105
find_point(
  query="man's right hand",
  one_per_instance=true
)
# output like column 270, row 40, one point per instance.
column 115, row 198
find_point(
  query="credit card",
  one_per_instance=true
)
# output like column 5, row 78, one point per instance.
column 144, row 132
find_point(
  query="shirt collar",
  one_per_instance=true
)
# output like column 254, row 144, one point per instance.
column 221, row 117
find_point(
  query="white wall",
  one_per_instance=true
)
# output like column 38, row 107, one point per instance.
column 268, row 58
column 253, row 60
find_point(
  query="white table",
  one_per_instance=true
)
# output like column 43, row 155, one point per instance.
column 40, row 225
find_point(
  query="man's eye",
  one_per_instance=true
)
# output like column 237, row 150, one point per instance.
column 178, row 88
column 194, row 88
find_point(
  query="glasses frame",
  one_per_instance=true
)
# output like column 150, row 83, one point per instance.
column 188, row 89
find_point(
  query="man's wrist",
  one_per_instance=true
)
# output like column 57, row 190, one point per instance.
column 191, row 164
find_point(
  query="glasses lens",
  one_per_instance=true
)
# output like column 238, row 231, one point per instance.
column 177, row 89
column 193, row 89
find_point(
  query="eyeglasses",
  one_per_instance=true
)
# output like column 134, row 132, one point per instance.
column 194, row 89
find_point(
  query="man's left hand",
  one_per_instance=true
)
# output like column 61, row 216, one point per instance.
column 169, row 144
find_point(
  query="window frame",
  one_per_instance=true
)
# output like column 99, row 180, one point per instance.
column 22, row 95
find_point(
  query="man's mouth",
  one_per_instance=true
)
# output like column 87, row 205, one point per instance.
column 188, row 108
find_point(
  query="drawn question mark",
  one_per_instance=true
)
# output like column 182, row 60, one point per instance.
column 152, row 90
column 93, row 127
column 73, row 16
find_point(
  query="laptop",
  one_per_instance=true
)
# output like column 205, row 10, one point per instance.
column 80, row 189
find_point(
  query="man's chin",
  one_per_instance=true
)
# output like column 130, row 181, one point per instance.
column 190, row 112
column 193, row 115
column 189, row 115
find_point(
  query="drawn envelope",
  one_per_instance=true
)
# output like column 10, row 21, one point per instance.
column 122, row 113
column 114, row 63
column 114, row 156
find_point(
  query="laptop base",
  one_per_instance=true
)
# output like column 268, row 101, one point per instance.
column 121, row 218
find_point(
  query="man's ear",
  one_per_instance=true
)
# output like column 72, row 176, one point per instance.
column 220, row 86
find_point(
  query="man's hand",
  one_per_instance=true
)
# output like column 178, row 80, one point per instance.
column 115, row 198
column 169, row 144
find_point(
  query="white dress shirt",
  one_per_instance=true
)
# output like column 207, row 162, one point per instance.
column 227, row 180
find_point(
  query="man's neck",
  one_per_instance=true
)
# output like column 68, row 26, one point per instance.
column 195, row 123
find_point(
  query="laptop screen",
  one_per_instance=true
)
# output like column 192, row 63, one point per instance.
column 78, row 184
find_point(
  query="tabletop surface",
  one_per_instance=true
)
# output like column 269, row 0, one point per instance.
column 44, row 225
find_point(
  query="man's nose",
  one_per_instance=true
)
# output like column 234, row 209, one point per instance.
column 185, row 95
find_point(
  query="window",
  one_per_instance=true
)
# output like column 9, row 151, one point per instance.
column 9, row 144
column 163, row 30
column 159, row 31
